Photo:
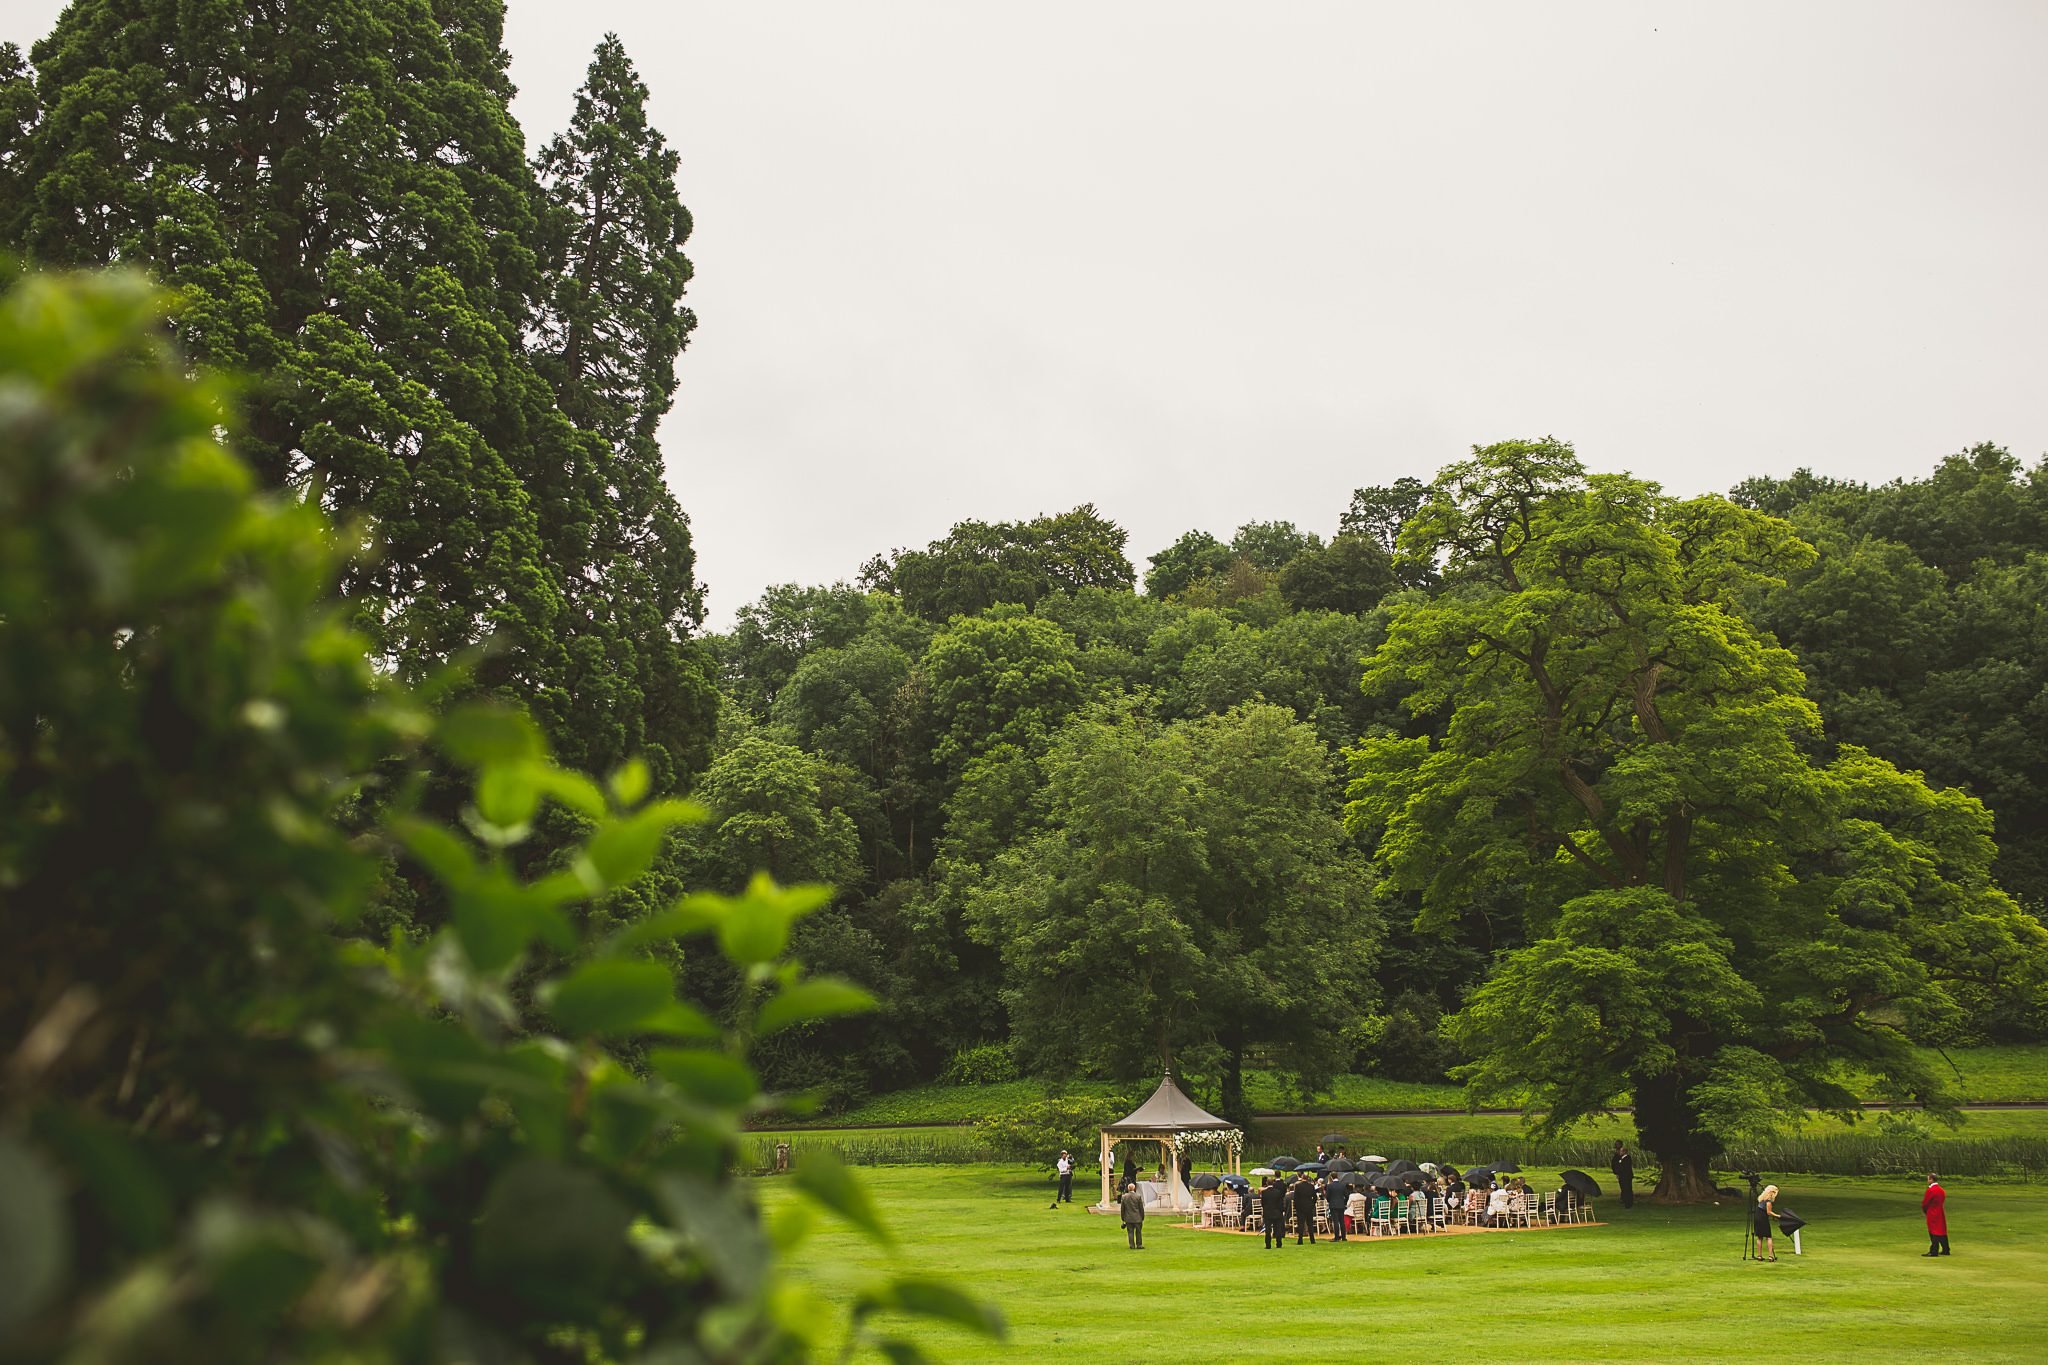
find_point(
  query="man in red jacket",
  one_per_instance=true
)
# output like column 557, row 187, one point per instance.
column 1937, row 1220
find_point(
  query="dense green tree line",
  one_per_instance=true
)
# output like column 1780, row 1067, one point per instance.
column 1037, row 834
column 1923, row 626
column 233, row 1128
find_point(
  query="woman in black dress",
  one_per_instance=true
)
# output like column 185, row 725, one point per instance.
column 1760, row 1222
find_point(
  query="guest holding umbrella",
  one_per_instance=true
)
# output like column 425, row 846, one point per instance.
column 1934, row 1205
column 1624, row 1167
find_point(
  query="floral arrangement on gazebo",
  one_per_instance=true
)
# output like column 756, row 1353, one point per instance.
column 1228, row 1141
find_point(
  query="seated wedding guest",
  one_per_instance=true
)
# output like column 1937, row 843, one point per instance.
column 1497, row 1207
column 1475, row 1205
column 1354, row 1210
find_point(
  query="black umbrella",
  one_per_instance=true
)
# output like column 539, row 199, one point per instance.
column 1332, row 1139
column 1506, row 1168
column 1400, row 1164
column 1283, row 1163
column 1581, row 1184
column 1236, row 1182
column 1789, row 1222
column 1340, row 1165
column 1385, row 1184
column 1448, row 1172
column 1205, row 1181
column 1479, row 1177
column 1370, row 1167
column 1312, row 1167
column 1409, row 1180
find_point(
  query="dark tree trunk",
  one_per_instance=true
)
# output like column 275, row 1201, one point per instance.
column 1233, row 1084
column 1668, row 1127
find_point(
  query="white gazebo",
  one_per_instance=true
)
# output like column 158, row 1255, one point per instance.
column 1175, row 1122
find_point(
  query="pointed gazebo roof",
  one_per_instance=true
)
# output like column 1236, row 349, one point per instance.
column 1168, row 1111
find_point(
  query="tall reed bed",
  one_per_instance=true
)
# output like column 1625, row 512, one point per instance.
column 947, row 1147
column 1845, row 1154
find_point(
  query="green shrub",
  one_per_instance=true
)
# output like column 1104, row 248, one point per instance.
column 1408, row 1045
column 231, row 1133
column 1039, row 1130
column 989, row 1064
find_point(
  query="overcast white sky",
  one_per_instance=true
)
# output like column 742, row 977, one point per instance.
column 1200, row 263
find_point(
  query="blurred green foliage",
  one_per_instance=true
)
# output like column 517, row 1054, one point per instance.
column 232, row 1132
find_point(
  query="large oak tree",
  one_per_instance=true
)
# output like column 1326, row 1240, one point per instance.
column 1187, row 895
column 1718, row 925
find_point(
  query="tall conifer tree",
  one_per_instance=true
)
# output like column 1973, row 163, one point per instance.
column 609, row 328
column 342, row 196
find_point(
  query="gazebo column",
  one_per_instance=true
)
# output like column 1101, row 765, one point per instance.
column 1105, row 1170
column 1175, row 1192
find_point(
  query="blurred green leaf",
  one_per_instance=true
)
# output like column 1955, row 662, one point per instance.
column 720, row 1225
column 623, row 1114
column 928, row 1298
column 611, row 996
column 710, row 1077
column 821, row 1176
column 550, row 1232
column 624, row 848
column 818, row 998
column 680, row 1019
column 131, row 1194
column 572, row 789
column 443, row 1067
column 630, row 782
column 756, row 924
column 507, row 794
column 479, row 734
column 496, row 917
column 543, row 1104
column 688, row 916
column 437, row 848
column 35, row 1236
column 900, row 1352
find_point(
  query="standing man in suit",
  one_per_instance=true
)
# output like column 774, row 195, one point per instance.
column 1133, row 1206
column 1624, row 1167
column 1304, row 1209
column 1066, row 1169
column 1933, row 1204
column 1333, row 1196
column 1130, row 1164
column 1273, row 1211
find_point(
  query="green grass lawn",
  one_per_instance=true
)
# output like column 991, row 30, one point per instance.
column 1655, row 1284
column 2016, row 1072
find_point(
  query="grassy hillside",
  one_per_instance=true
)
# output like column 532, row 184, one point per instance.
column 1985, row 1074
